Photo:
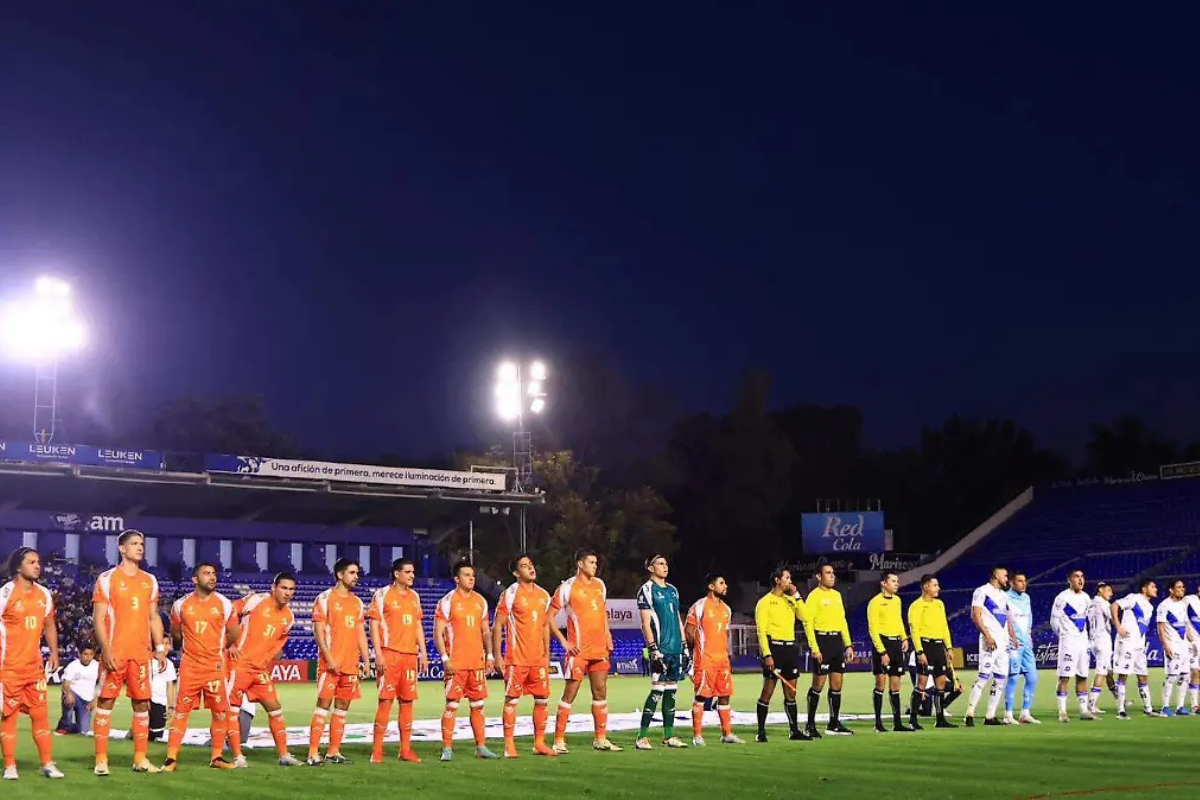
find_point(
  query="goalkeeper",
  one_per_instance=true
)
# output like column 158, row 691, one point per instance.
column 662, row 626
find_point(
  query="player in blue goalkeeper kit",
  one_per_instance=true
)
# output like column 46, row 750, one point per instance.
column 1022, row 661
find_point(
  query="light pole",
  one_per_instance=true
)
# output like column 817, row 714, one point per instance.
column 42, row 327
column 516, row 396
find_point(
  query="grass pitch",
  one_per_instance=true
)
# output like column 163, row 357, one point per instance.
column 1153, row 758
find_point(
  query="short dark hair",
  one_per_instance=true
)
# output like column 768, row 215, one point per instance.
column 401, row 563
column 1170, row 583
column 777, row 574
column 201, row 565
column 652, row 558
column 129, row 534
column 1069, row 574
column 283, row 576
column 712, row 577
column 516, row 562
column 583, row 553
column 1101, row 585
column 927, row 577
column 460, row 565
column 87, row 646
column 343, row 564
column 821, row 568
column 997, row 568
column 16, row 558
column 887, row 574
column 1144, row 583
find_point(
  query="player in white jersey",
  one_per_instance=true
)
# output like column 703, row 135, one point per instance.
column 1101, row 643
column 1068, row 619
column 1177, row 640
column 989, row 612
column 1132, row 615
column 1193, row 601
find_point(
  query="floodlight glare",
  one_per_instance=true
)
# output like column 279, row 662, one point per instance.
column 538, row 405
column 508, row 372
column 42, row 326
column 535, row 388
column 537, row 371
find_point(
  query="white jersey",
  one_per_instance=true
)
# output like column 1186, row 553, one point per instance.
column 1193, row 612
column 1136, row 613
column 1100, row 622
column 1069, row 616
column 994, row 603
column 1174, row 614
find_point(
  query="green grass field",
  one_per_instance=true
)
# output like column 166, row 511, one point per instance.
column 1139, row 758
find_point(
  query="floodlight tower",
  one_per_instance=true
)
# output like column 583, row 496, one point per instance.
column 516, row 396
column 41, row 328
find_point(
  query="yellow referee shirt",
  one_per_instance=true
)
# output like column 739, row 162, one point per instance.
column 884, row 618
column 775, row 617
column 927, row 620
column 825, row 614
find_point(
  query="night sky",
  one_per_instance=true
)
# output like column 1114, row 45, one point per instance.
column 357, row 213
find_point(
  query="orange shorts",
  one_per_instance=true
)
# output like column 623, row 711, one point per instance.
column 209, row 691
column 469, row 683
column 131, row 673
column 575, row 667
column 713, row 681
column 338, row 686
column 22, row 696
column 533, row 681
column 400, row 677
column 256, row 685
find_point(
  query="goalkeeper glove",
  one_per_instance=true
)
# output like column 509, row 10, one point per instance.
column 685, row 661
column 656, row 659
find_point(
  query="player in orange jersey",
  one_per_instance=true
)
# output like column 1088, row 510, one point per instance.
column 523, row 617
column 707, row 631
column 127, row 625
column 338, row 617
column 266, row 620
column 26, row 612
column 400, row 654
column 460, row 631
column 204, row 624
column 588, row 645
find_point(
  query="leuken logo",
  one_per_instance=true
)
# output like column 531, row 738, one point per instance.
column 249, row 465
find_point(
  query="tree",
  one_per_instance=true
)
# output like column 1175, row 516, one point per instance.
column 235, row 424
column 1127, row 445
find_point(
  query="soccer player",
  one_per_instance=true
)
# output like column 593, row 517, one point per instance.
column 204, row 624
column 1132, row 614
column 989, row 612
column 266, row 621
column 885, row 623
column 344, row 657
column 460, row 631
column 1068, row 619
column 1022, row 661
column 26, row 613
column 931, row 640
column 1193, row 601
column 400, row 655
column 662, row 627
column 1177, row 640
column 523, row 618
column 1101, row 643
column 707, row 631
column 775, row 617
column 829, row 639
column 125, row 610
column 588, row 645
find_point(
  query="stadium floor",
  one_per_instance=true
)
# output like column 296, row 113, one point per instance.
column 1153, row 758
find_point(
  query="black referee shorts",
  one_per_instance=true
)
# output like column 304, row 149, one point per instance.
column 892, row 645
column 937, row 662
column 786, row 657
column 833, row 650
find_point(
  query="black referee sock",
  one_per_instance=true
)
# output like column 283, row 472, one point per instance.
column 762, row 709
column 938, row 711
column 793, row 714
column 814, row 698
column 895, row 698
column 914, row 708
column 951, row 695
column 835, row 706
column 877, row 699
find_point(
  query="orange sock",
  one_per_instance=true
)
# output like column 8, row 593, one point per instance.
column 726, row 715
column 382, row 714
column 560, row 723
column 477, row 722
column 510, row 724
column 140, row 733
column 8, row 739
column 448, row 723
column 541, row 712
column 178, row 729
column 101, row 725
column 278, row 731
column 233, row 732
column 217, row 729
column 337, row 729
column 39, row 718
column 698, row 719
column 316, row 729
column 600, row 719
column 406, row 722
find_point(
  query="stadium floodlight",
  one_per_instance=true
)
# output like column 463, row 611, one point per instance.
column 515, row 397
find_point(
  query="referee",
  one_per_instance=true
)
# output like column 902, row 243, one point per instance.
column 829, row 638
column 775, row 617
column 931, row 639
column 885, row 622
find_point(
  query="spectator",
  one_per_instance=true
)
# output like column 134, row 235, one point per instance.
column 79, row 681
column 162, row 698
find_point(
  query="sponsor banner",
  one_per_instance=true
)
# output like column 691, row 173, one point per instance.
column 79, row 455
column 355, row 473
column 628, row 666
column 285, row 671
column 896, row 562
column 1190, row 469
column 622, row 615
column 106, row 523
column 852, row 562
column 1116, row 480
column 857, row 532
column 1046, row 655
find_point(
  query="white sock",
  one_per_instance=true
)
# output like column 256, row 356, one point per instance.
column 997, row 694
column 1181, row 682
column 1144, row 691
column 1121, row 696
column 1083, row 702
column 976, row 693
column 1095, row 699
column 1168, row 689
column 1194, row 690
column 1062, row 704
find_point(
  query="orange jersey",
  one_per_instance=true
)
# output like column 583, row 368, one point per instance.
column 132, row 602
column 343, row 617
column 465, row 616
column 23, row 614
column 399, row 616
column 203, row 623
column 711, row 619
column 265, row 630
column 524, row 611
column 587, row 621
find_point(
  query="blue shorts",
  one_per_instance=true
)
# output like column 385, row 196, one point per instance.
column 1022, row 662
